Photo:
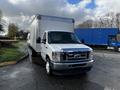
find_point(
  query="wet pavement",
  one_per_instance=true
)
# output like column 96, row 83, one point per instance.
column 105, row 75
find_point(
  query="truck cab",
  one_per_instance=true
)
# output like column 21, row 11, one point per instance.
column 62, row 51
column 114, row 41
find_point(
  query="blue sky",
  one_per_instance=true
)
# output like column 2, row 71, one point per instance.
column 90, row 5
column 74, row 1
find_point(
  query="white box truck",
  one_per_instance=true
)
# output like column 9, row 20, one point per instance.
column 54, row 39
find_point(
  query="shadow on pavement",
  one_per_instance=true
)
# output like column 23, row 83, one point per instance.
column 67, row 82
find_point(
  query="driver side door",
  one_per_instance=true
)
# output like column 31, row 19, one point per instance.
column 43, row 46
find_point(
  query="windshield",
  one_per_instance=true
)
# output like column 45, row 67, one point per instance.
column 62, row 37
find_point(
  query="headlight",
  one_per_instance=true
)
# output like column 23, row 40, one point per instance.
column 91, row 55
column 56, row 56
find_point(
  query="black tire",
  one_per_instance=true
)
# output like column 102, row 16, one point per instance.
column 88, row 70
column 34, row 53
column 116, row 49
column 48, row 67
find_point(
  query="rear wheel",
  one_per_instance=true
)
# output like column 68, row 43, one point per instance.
column 32, row 54
column 48, row 67
column 116, row 49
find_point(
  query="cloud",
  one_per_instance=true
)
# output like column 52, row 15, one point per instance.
column 106, row 6
column 15, row 2
column 20, row 11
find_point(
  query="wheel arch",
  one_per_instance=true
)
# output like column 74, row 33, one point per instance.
column 47, row 57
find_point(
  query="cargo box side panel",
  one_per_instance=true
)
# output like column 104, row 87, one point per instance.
column 95, row 36
column 103, row 40
column 34, row 33
column 84, row 35
column 101, row 35
column 55, row 24
column 38, row 37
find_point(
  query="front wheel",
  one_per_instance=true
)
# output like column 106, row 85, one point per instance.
column 48, row 67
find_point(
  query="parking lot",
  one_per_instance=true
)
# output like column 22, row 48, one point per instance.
column 105, row 75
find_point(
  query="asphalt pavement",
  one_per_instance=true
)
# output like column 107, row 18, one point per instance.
column 105, row 75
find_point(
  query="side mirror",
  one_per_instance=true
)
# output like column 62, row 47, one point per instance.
column 82, row 41
column 38, row 40
column 44, row 41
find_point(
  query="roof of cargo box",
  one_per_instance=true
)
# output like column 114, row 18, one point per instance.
column 39, row 17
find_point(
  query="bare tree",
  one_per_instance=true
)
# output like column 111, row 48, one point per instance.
column 0, row 15
column 118, row 20
column 86, row 24
column 109, row 20
column 101, row 22
column 1, row 27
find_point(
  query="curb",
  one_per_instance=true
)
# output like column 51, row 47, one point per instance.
column 7, row 63
column 22, row 58
column 14, row 62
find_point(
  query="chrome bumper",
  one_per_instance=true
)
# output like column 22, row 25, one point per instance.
column 71, row 65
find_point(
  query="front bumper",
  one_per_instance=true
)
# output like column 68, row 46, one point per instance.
column 72, row 65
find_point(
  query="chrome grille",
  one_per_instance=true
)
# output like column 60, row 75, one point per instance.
column 75, row 55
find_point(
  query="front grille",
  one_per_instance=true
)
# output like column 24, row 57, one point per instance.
column 74, row 55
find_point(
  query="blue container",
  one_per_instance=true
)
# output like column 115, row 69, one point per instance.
column 96, row 36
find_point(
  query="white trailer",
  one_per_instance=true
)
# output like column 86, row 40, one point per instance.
column 54, row 39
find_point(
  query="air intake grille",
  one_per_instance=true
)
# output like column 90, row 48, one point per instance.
column 75, row 55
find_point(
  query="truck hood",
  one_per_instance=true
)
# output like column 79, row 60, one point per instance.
column 69, row 47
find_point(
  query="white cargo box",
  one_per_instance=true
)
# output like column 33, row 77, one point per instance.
column 42, row 23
